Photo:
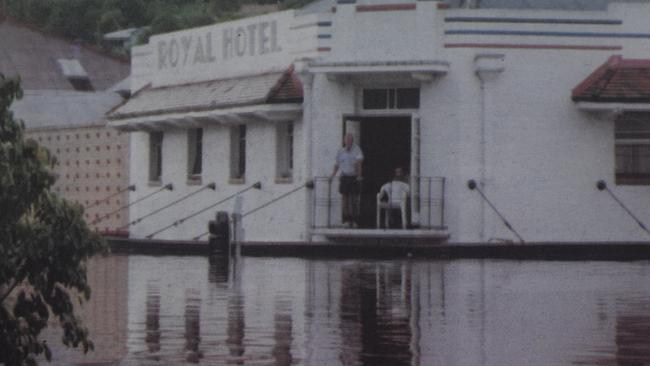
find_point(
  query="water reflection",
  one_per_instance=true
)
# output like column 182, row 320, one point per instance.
column 254, row 311
column 152, row 318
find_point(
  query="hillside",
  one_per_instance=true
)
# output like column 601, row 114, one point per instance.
column 89, row 20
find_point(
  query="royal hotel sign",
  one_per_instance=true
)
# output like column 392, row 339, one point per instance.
column 246, row 47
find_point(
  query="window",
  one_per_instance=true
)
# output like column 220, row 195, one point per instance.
column 284, row 152
column 155, row 156
column 76, row 74
column 238, row 152
column 194, row 153
column 632, row 133
column 404, row 98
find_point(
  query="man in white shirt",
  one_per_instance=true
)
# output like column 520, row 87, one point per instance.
column 349, row 160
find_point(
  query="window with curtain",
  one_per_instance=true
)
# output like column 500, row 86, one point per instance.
column 632, row 136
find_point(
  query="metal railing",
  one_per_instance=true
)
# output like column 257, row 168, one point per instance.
column 426, row 203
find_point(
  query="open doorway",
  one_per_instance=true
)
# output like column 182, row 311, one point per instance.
column 386, row 144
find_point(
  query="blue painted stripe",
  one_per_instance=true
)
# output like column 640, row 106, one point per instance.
column 534, row 20
column 324, row 24
column 346, row 1
column 324, row 36
column 546, row 34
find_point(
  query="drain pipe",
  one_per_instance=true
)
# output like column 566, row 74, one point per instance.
column 486, row 67
column 307, row 80
column 602, row 186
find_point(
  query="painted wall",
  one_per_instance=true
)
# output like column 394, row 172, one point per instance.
column 284, row 220
column 542, row 156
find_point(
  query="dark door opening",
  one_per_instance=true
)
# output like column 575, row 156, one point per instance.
column 386, row 145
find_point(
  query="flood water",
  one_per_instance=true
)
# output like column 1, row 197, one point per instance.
column 164, row 310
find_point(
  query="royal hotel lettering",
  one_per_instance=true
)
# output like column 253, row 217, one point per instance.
column 236, row 42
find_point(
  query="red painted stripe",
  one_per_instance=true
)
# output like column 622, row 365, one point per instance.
column 385, row 7
column 443, row 6
column 324, row 49
column 534, row 46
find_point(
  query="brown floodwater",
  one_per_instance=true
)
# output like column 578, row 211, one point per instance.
column 166, row 310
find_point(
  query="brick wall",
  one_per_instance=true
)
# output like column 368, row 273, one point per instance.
column 92, row 164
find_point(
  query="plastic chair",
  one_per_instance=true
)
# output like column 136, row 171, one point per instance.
column 396, row 194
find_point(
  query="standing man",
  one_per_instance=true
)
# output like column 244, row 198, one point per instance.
column 348, row 160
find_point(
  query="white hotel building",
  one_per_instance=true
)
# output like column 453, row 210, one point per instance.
column 534, row 105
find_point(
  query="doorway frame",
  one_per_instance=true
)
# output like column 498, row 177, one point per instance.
column 415, row 149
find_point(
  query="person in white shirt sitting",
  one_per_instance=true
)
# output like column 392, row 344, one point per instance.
column 393, row 196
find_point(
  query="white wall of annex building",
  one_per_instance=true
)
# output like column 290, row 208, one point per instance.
column 542, row 154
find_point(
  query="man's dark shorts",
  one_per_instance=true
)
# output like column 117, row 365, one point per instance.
column 349, row 185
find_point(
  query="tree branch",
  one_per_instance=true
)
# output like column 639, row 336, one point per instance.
column 11, row 288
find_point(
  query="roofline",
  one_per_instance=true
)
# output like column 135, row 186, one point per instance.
column 247, row 76
column 224, row 116
column 95, row 124
column 595, row 75
column 35, row 28
column 125, row 100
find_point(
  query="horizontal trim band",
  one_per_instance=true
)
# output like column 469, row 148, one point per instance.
column 385, row 7
column 533, row 20
column 534, row 46
column 310, row 25
column 488, row 32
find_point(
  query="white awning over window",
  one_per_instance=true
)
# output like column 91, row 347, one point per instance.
column 267, row 97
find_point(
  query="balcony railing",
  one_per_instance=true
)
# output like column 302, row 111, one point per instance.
column 426, row 203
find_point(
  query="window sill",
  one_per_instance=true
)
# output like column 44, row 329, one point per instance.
column 283, row 180
column 237, row 181
column 194, row 180
column 155, row 183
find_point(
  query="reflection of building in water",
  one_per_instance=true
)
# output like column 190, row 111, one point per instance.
column 282, row 334
column 219, row 269
column 192, row 326
column 152, row 318
column 236, row 323
column 375, row 319
column 366, row 311
column 336, row 313
column 633, row 338
column 105, row 315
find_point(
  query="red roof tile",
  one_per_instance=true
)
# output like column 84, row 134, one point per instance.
column 617, row 80
column 287, row 90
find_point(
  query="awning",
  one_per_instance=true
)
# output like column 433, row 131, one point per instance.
column 267, row 97
column 417, row 69
column 617, row 85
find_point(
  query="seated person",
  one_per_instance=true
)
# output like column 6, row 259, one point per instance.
column 393, row 196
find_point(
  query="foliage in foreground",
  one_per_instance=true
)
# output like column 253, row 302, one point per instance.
column 44, row 245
